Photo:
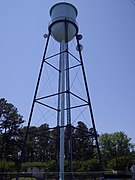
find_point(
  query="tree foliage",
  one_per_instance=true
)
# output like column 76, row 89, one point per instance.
column 10, row 124
column 42, row 142
column 83, row 144
column 114, row 147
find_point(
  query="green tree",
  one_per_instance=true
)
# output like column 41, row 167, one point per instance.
column 30, row 152
column 83, row 148
column 69, row 129
column 114, row 145
column 123, row 163
column 43, row 140
column 40, row 144
column 54, row 143
column 10, row 124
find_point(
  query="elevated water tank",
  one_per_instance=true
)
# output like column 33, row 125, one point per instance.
column 63, row 19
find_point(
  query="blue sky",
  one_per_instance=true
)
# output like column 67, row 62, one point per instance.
column 108, row 29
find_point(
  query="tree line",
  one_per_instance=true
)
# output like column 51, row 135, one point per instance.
column 41, row 141
column 116, row 148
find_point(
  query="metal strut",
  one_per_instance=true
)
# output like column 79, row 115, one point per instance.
column 90, row 108
column 32, row 108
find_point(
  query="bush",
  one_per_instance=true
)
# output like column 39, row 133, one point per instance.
column 51, row 166
column 91, row 165
column 85, row 166
column 7, row 166
column 120, row 163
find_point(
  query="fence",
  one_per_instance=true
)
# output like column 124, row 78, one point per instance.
column 75, row 176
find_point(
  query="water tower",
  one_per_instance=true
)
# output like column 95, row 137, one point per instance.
column 63, row 29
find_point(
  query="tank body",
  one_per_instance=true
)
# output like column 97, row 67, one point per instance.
column 63, row 19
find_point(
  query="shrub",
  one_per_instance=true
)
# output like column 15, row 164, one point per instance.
column 7, row 166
